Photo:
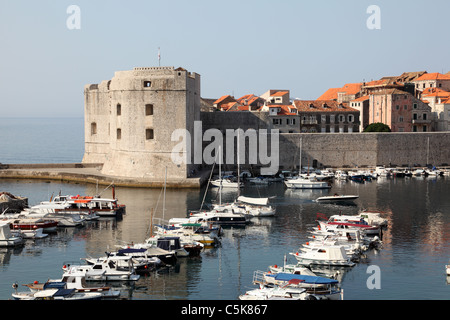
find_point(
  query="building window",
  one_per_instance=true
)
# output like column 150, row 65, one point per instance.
column 414, row 116
column 424, row 128
column 351, row 118
column 405, row 107
column 149, row 134
column 147, row 84
column 93, row 128
column 148, row 109
column 119, row 109
column 119, row 134
column 400, row 119
column 424, row 116
column 414, row 128
column 415, row 106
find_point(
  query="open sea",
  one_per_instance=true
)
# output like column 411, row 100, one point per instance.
column 416, row 244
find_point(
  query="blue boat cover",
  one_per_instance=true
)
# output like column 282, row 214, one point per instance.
column 54, row 285
column 304, row 278
column 64, row 292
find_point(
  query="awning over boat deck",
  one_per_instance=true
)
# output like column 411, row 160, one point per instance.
column 305, row 278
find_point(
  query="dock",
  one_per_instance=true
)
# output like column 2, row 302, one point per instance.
column 91, row 173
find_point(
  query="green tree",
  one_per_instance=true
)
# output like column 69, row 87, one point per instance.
column 377, row 127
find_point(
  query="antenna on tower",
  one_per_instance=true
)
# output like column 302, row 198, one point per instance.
column 159, row 56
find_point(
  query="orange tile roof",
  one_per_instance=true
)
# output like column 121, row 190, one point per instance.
column 285, row 109
column 351, row 88
column 363, row 98
column 433, row 76
column 318, row 106
column 279, row 93
column 222, row 98
column 435, row 92
column 330, row 94
column 228, row 105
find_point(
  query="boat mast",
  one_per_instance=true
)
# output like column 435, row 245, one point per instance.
column 164, row 198
column 300, row 160
column 238, row 165
column 220, row 176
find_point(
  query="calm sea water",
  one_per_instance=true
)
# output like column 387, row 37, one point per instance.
column 416, row 245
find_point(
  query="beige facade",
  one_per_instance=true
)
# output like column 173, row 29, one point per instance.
column 129, row 121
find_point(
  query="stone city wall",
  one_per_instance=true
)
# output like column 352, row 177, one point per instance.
column 341, row 150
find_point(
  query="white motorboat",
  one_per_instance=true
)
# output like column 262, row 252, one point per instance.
column 148, row 250
column 275, row 293
column 248, row 206
column 57, row 294
column 373, row 218
column 124, row 261
column 58, row 212
column 447, row 269
column 189, row 231
column 336, row 198
column 74, row 281
column 323, row 288
column 91, row 207
column 306, row 183
column 7, row 238
column 257, row 207
column 105, row 270
column 340, row 175
column 218, row 217
column 349, row 221
column 32, row 233
column 324, row 255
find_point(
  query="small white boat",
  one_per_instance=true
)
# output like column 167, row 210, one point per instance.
column 226, row 183
column 255, row 207
column 340, row 175
column 57, row 294
column 8, row 238
column 306, row 183
column 32, row 233
column 324, row 255
column 447, row 269
column 74, row 281
column 337, row 198
column 105, row 270
column 275, row 293
column 218, row 217
column 337, row 221
column 373, row 218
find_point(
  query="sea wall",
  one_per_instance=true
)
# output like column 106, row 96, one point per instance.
column 339, row 150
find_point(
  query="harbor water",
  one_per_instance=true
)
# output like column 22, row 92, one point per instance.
column 411, row 261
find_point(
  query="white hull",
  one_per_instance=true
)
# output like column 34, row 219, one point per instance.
column 337, row 198
column 306, row 184
column 226, row 184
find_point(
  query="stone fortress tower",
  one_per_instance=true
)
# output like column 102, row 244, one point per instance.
column 129, row 121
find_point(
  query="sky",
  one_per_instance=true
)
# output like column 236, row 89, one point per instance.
column 238, row 47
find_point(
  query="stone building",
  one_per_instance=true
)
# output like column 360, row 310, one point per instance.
column 400, row 110
column 326, row 116
column 129, row 121
column 432, row 80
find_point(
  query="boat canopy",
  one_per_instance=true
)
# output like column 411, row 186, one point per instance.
column 169, row 243
column 304, row 278
column 255, row 201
